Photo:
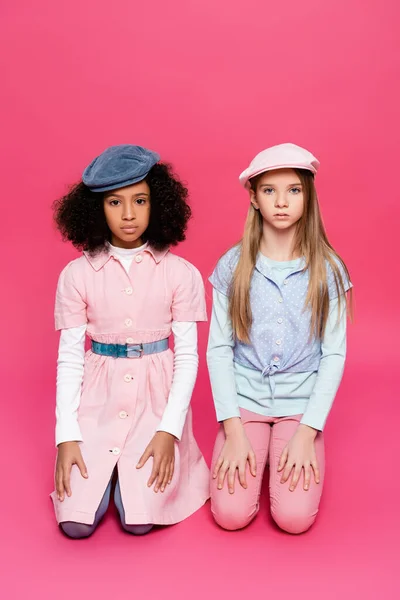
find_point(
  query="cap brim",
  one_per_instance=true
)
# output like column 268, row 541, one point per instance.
column 118, row 184
column 245, row 180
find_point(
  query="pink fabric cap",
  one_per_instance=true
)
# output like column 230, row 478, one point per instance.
column 283, row 156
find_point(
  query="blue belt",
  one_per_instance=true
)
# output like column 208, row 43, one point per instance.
column 129, row 350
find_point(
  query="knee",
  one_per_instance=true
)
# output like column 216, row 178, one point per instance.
column 137, row 529
column 231, row 518
column 294, row 522
column 77, row 531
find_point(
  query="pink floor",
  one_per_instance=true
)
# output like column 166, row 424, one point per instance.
column 352, row 551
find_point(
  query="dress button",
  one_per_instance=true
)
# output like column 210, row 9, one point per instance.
column 139, row 258
column 285, row 282
column 280, row 320
column 128, row 322
column 280, row 300
column 278, row 342
column 123, row 414
column 129, row 291
column 116, row 451
column 129, row 340
column 128, row 378
column 276, row 359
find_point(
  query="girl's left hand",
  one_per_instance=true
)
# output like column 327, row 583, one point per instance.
column 162, row 449
column 300, row 454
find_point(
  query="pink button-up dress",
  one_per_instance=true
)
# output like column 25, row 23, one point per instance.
column 123, row 399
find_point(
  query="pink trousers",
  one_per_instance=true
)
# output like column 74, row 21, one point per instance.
column 293, row 512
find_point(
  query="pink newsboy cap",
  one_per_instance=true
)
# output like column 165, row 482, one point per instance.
column 283, row 156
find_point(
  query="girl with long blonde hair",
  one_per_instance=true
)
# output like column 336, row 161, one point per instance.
column 277, row 346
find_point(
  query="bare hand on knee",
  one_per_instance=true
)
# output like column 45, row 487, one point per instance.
column 68, row 454
column 298, row 455
column 162, row 449
column 235, row 454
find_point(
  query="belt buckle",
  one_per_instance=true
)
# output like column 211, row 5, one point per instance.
column 134, row 350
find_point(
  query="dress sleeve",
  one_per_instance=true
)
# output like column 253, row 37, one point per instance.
column 188, row 300
column 70, row 306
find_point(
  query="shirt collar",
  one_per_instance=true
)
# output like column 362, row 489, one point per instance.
column 97, row 261
column 263, row 267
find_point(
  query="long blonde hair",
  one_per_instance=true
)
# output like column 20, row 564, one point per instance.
column 311, row 242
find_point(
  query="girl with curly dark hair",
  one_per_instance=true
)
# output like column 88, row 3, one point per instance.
column 123, row 416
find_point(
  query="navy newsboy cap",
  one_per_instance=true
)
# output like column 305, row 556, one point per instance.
column 119, row 166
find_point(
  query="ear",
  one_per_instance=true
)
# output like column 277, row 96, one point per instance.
column 253, row 200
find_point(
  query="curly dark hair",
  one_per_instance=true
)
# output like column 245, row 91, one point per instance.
column 80, row 218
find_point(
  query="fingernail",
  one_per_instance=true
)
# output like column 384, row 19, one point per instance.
column 220, row 487
column 306, row 487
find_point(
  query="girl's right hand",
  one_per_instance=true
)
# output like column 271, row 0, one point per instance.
column 69, row 454
column 235, row 454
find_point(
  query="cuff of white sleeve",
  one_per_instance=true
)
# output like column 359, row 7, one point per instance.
column 172, row 425
column 68, row 431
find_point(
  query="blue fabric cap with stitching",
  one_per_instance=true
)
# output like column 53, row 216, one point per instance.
column 119, row 166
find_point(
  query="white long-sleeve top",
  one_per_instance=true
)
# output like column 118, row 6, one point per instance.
column 70, row 368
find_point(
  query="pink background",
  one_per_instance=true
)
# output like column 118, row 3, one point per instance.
column 208, row 84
